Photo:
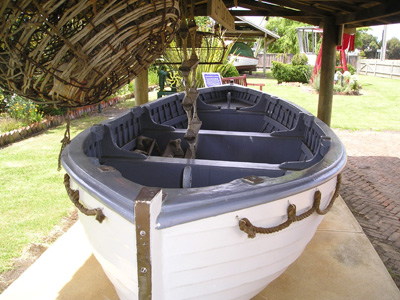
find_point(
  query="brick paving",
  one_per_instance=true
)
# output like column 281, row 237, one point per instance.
column 371, row 189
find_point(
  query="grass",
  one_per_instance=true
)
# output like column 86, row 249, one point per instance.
column 32, row 195
column 9, row 124
column 377, row 108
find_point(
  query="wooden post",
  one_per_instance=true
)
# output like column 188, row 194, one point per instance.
column 391, row 71
column 265, row 56
column 142, row 88
column 328, row 61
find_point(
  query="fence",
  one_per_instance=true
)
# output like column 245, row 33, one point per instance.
column 287, row 59
column 284, row 58
column 353, row 60
column 375, row 67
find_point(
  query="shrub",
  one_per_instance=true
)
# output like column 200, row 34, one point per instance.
column 49, row 110
column 280, row 71
column 291, row 73
column 3, row 103
column 127, row 88
column 346, row 75
column 21, row 109
column 153, row 77
column 346, row 82
column 351, row 69
column 230, row 71
column 316, row 82
column 299, row 59
column 353, row 83
column 212, row 52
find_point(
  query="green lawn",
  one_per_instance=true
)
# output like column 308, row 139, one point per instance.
column 32, row 195
column 377, row 108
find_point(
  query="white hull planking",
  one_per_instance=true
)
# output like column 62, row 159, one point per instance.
column 244, row 61
column 209, row 258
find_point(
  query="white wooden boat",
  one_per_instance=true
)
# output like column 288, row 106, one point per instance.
column 244, row 63
column 243, row 56
column 221, row 226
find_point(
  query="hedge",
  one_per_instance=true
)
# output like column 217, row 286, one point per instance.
column 289, row 73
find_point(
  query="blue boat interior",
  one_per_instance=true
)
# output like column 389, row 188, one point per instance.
column 244, row 133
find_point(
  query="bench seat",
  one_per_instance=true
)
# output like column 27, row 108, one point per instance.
column 241, row 80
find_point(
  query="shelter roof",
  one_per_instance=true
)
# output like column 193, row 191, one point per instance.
column 351, row 13
column 245, row 29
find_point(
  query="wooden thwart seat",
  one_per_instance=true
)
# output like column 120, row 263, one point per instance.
column 241, row 80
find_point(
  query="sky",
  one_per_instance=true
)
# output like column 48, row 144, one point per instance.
column 393, row 30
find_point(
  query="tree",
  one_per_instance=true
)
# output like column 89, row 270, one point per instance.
column 286, row 29
column 204, row 23
column 369, row 44
column 393, row 48
column 358, row 43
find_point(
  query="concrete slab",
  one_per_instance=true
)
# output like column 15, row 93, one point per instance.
column 340, row 219
column 66, row 271
column 339, row 263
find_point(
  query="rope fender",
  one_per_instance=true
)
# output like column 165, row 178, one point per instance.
column 74, row 196
column 251, row 230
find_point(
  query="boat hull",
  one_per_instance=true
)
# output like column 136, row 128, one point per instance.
column 244, row 63
column 221, row 226
column 209, row 258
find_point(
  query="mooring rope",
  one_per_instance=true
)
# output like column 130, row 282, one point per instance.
column 74, row 196
column 66, row 140
column 188, row 30
column 251, row 230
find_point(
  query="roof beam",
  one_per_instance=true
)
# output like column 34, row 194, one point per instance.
column 369, row 14
column 270, row 13
column 201, row 10
column 286, row 4
column 253, row 13
column 309, row 20
column 245, row 33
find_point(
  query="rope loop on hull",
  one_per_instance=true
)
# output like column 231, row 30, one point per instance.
column 74, row 196
column 251, row 230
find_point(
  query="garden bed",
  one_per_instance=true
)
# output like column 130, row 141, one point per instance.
column 310, row 89
column 53, row 121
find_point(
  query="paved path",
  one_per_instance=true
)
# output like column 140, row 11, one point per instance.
column 371, row 189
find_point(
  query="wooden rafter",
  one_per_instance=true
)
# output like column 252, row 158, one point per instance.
column 351, row 13
column 268, row 12
column 377, row 12
column 287, row 4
